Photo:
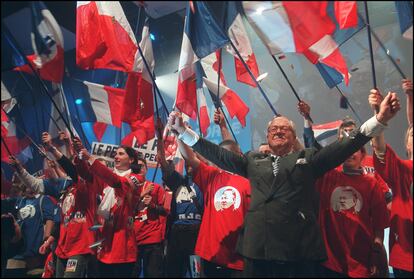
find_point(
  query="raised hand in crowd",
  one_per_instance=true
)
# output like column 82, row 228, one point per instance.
column 407, row 86
column 304, row 109
column 219, row 120
column 388, row 108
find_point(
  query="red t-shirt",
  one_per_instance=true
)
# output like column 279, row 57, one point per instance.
column 351, row 208
column 226, row 200
column 116, row 214
column 398, row 174
column 78, row 212
column 148, row 224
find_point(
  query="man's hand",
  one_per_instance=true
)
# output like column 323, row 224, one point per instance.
column 47, row 140
column 147, row 199
column 84, row 154
column 219, row 117
column 388, row 108
column 375, row 98
column 51, row 164
column 407, row 86
column 304, row 109
column 147, row 189
column 15, row 163
column 176, row 123
column 77, row 144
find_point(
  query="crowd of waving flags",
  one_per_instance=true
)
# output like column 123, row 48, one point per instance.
column 105, row 40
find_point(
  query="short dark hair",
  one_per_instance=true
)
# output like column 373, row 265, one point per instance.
column 346, row 122
column 142, row 159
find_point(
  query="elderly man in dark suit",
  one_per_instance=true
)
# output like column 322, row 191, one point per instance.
column 281, row 237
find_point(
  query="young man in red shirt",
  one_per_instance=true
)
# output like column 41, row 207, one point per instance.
column 226, row 200
column 352, row 217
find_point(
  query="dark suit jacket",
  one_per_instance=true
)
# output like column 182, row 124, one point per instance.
column 281, row 223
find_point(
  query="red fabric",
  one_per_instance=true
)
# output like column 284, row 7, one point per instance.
column 119, row 245
column 49, row 269
column 151, row 230
column 14, row 145
column 309, row 22
column 78, row 214
column 204, row 120
column 186, row 100
column 336, row 60
column 220, row 226
column 116, row 97
column 235, row 106
column 346, row 13
column 398, row 174
column 101, row 42
column 242, row 74
column 351, row 208
column 138, row 109
column 4, row 123
column 99, row 129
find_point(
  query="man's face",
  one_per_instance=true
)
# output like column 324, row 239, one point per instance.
column 227, row 199
column 347, row 129
column 122, row 160
column 280, row 134
column 346, row 200
column 354, row 161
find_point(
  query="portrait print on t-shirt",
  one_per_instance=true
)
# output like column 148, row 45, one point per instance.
column 227, row 197
column 346, row 199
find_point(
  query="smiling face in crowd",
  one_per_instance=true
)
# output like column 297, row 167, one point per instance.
column 281, row 135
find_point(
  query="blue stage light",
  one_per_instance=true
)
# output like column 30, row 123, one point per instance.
column 78, row 101
column 152, row 37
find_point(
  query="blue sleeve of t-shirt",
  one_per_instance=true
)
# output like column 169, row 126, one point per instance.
column 53, row 187
column 49, row 209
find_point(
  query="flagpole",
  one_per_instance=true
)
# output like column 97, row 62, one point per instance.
column 385, row 50
column 371, row 53
column 349, row 104
column 31, row 140
column 253, row 78
column 307, row 116
column 77, row 118
column 43, row 85
column 218, row 103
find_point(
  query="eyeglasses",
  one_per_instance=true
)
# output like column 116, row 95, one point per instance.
column 273, row 129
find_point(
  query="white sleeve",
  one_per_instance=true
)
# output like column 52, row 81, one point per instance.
column 36, row 184
column 189, row 137
column 372, row 127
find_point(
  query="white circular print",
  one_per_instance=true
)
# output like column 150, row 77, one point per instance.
column 227, row 197
column 346, row 198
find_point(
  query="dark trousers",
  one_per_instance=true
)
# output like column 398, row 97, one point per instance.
column 152, row 258
column 399, row 273
column 181, row 243
column 121, row 270
column 277, row 269
column 73, row 267
column 213, row 270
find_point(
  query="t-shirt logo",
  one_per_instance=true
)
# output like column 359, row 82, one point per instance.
column 183, row 195
column 346, row 199
column 28, row 211
column 68, row 202
column 226, row 197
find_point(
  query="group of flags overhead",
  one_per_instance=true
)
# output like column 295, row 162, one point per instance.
column 105, row 40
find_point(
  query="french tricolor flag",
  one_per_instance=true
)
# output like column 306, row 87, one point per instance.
column 47, row 43
column 106, row 102
column 237, row 34
column 234, row 104
column 326, row 130
column 297, row 26
column 202, row 36
column 104, row 38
